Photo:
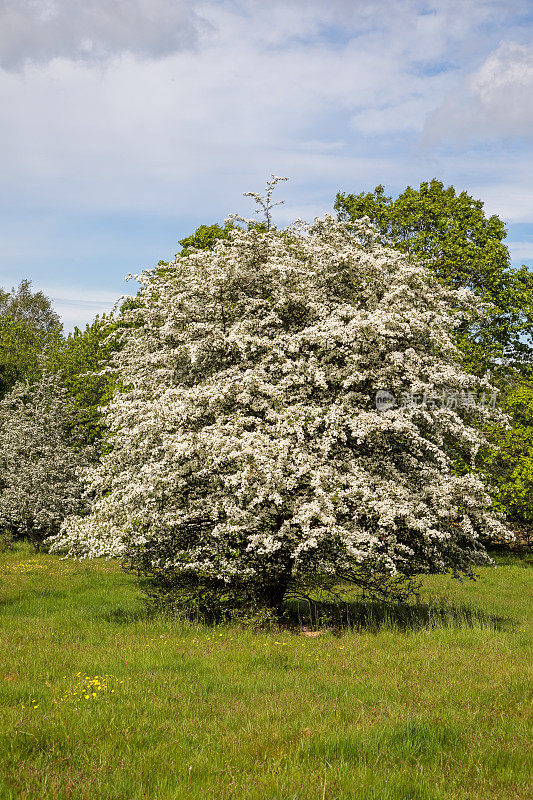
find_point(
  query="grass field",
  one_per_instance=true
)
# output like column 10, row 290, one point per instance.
column 101, row 700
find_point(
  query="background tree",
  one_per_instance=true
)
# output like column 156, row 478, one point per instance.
column 205, row 237
column 248, row 457
column 51, row 422
column 29, row 329
column 81, row 359
column 39, row 460
column 452, row 235
column 33, row 308
column 510, row 466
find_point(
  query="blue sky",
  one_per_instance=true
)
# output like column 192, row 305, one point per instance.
column 128, row 123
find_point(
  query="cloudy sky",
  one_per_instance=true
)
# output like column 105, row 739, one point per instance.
column 128, row 123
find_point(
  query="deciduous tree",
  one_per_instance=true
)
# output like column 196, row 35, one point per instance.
column 40, row 460
column 247, row 453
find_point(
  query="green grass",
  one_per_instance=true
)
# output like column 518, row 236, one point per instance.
column 425, row 710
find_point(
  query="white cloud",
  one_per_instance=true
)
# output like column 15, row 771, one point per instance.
column 521, row 251
column 495, row 102
column 74, row 304
column 511, row 198
column 403, row 115
column 201, row 125
column 94, row 30
column 181, row 105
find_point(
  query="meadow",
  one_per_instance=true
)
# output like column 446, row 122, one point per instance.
column 102, row 699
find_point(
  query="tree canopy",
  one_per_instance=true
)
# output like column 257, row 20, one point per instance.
column 248, row 456
column 205, row 237
column 81, row 358
column 465, row 248
column 34, row 308
column 29, row 328
column 40, row 458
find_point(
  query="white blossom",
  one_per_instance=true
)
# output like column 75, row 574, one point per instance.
column 39, row 460
column 247, row 442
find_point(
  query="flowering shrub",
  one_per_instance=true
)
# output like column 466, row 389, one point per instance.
column 39, row 460
column 247, row 456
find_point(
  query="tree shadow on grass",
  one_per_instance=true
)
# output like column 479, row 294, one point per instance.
column 357, row 615
column 375, row 615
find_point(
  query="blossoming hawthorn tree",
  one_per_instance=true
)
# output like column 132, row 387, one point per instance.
column 39, row 460
column 247, row 456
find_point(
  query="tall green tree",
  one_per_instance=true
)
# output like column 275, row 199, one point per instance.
column 34, row 308
column 510, row 466
column 205, row 237
column 81, row 358
column 465, row 248
column 29, row 329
